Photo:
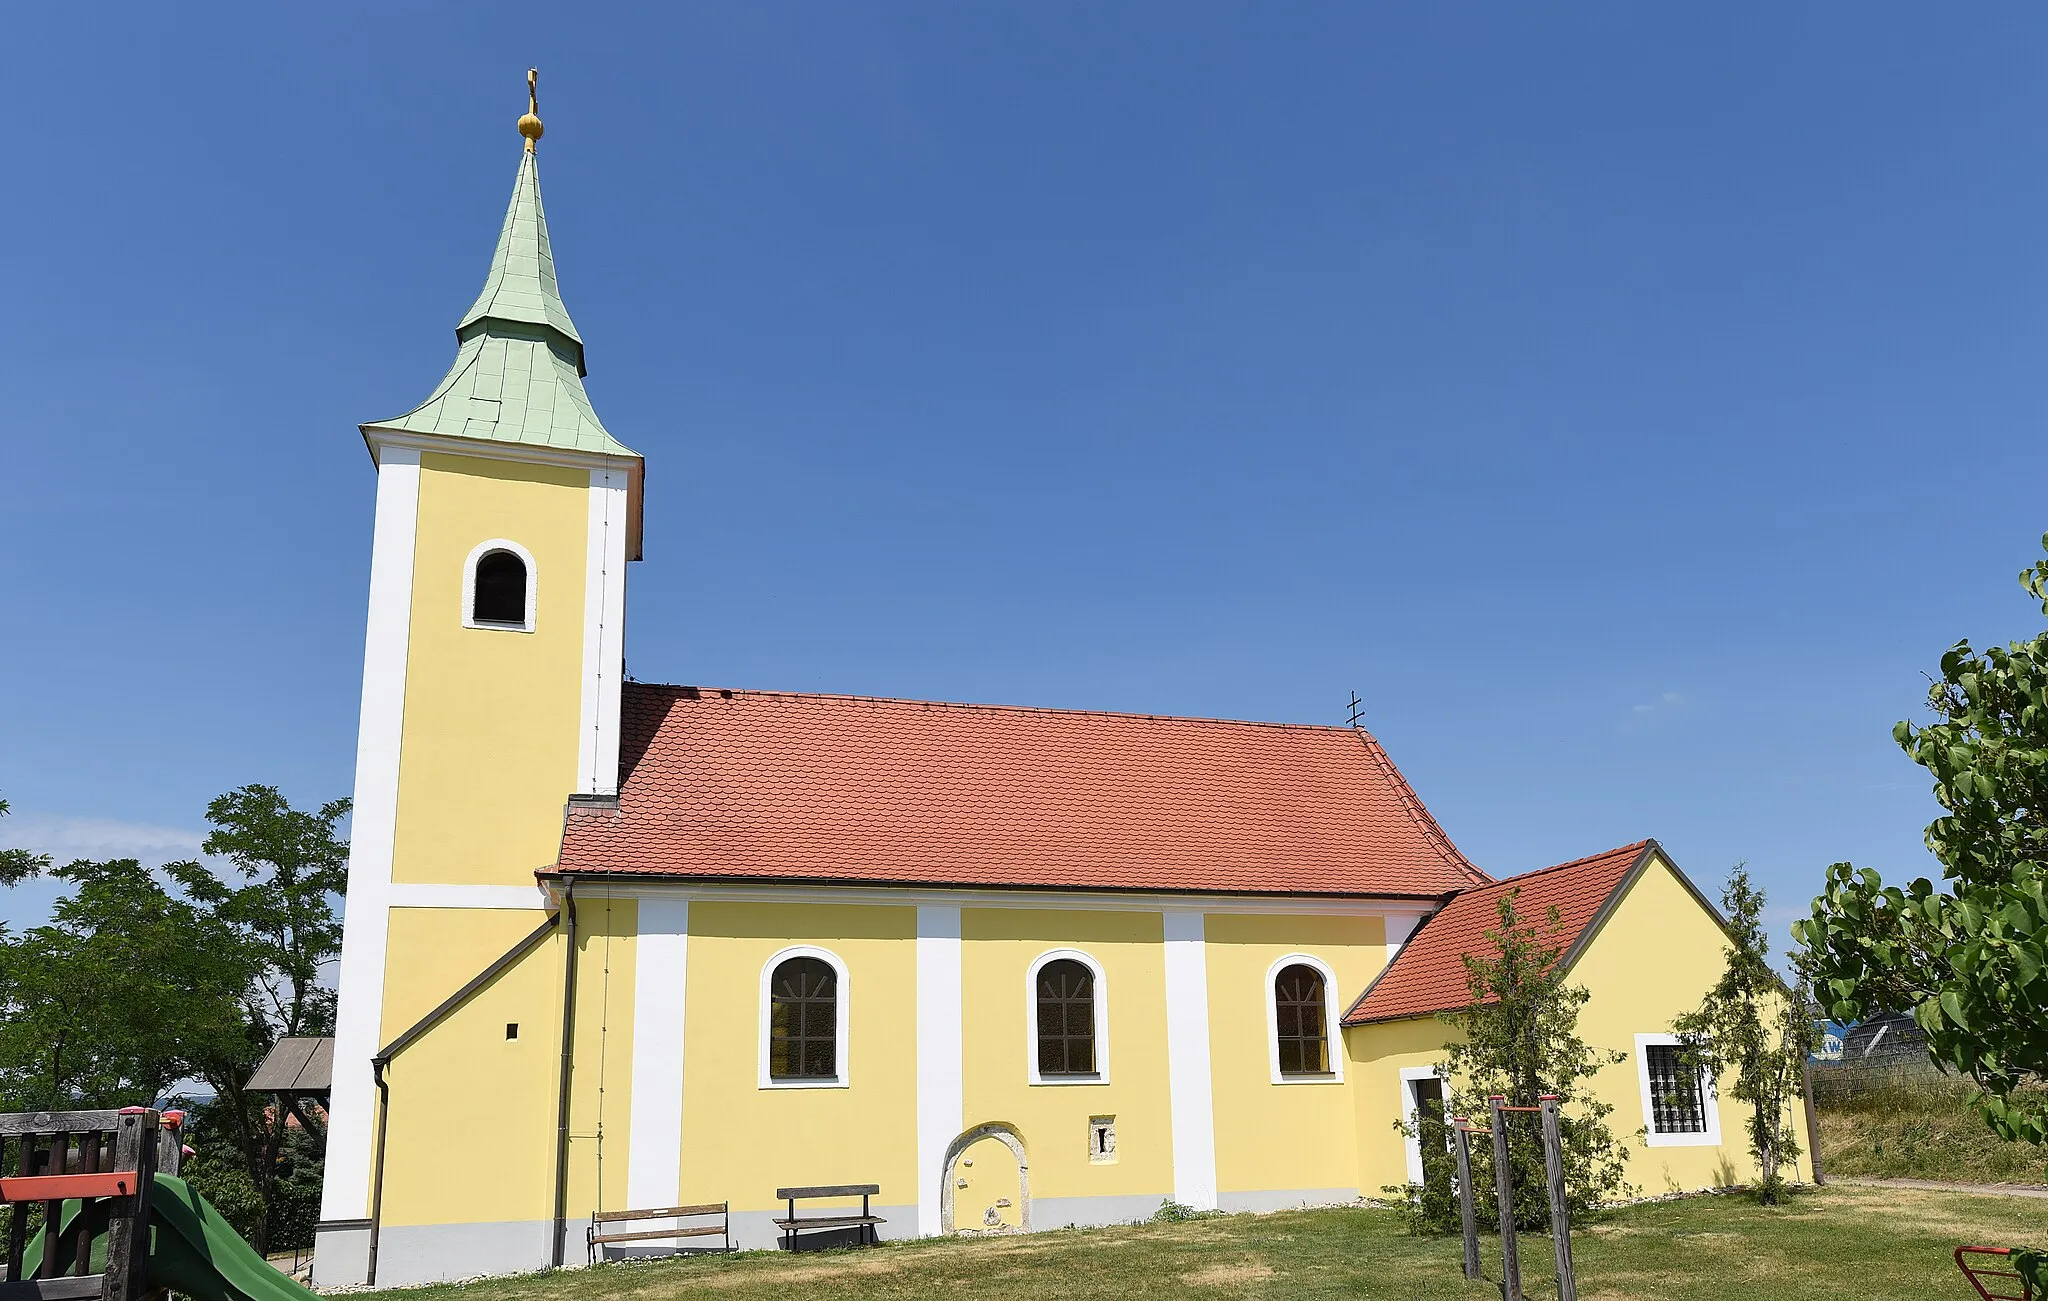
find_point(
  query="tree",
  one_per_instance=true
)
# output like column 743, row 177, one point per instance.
column 144, row 979
column 1750, row 1025
column 292, row 866
column 118, row 996
column 1520, row 1040
column 1971, row 957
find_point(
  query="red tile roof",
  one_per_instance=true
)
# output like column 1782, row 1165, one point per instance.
column 770, row 785
column 1428, row 975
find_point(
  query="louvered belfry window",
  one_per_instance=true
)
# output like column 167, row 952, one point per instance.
column 1677, row 1104
column 1066, row 1018
column 1298, row 1021
column 803, row 1021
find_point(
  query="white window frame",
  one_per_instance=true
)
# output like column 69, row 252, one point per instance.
column 1100, row 1075
column 1710, row 1101
column 842, row 1002
column 1331, row 1044
column 476, row 555
column 1413, row 1115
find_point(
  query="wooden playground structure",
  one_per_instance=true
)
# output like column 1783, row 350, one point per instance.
column 105, row 1161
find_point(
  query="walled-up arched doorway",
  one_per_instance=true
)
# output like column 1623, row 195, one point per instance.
column 987, row 1182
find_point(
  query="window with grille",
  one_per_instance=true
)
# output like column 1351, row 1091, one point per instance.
column 1677, row 1102
column 803, row 1021
column 500, row 596
column 1298, row 1021
column 1066, row 1018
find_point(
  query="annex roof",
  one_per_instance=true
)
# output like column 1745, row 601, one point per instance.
column 1428, row 975
column 760, row 785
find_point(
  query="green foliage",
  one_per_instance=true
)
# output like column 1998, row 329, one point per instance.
column 1521, row 1041
column 1751, row 1026
column 1969, row 957
column 17, row 865
column 1173, row 1212
column 125, row 991
column 143, row 979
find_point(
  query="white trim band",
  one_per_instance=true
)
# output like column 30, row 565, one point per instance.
column 1192, row 1095
column 345, row 1188
column 941, row 1082
column 661, row 969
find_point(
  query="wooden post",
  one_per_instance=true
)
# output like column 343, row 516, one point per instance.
column 1560, row 1210
column 1467, row 1220
column 1504, row 1193
column 127, row 1277
column 1812, row 1120
column 53, row 1211
column 170, row 1142
column 89, row 1210
column 17, row 1214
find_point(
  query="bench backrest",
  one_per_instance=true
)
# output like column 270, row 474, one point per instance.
column 828, row 1190
column 659, row 1213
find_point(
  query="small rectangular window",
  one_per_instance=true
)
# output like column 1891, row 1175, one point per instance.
column 1677, row 1102
column 1102, row 1140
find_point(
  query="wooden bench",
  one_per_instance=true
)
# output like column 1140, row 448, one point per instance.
column 723, row 1228
column 864, row 1223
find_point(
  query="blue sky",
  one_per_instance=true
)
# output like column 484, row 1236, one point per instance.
column 1629, row 403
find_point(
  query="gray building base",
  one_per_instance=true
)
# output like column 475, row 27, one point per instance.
column 1089, row 1212
column 438, row 1253
column 1285, row 1199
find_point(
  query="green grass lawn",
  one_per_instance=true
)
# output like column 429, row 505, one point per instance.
column 1865, row 1243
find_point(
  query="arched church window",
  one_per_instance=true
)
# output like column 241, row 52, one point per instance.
column 1066, row 1018
column 1299, row 1032
column 500, row 590
column 803, row 1020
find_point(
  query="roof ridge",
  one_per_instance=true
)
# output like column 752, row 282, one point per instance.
column 1132, row 715
column 1636, row 848
column 1412, row 803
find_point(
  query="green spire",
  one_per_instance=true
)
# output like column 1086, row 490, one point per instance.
column 518, row 374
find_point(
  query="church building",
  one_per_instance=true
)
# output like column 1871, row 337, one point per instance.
column 618, row 946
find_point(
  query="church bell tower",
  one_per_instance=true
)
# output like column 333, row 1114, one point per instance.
column 505, row 516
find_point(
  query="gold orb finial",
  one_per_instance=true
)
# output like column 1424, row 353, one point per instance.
column 529, row 124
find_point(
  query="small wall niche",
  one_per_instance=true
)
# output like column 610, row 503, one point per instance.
column 1102, row 1140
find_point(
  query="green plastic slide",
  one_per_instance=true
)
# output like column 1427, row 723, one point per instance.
column 191, row 1250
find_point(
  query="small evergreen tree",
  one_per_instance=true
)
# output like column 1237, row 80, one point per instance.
column 1750, row 1025
column 1521, row 1040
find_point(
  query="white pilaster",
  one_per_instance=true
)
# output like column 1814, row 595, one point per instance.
column 604, row 634
column 941, row 1089
column 660, row 970
column 1187, row 1061
column 344, row 1195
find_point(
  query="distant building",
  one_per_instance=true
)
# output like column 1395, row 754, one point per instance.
column 1022, row 968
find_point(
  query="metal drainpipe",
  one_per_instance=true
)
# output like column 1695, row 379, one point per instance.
column 377, row 1065
column 568, row 1048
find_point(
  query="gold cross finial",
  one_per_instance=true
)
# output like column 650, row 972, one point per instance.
column 529, row 126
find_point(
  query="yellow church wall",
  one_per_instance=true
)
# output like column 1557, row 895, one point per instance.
column 471, row 1135
column 1298, row 1134
column 1653, row 961
column 742, row 1141
column 472, row 1113
column 1376, row 1055
column 488, row 747
column 998, row 946
column 601, row 1082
